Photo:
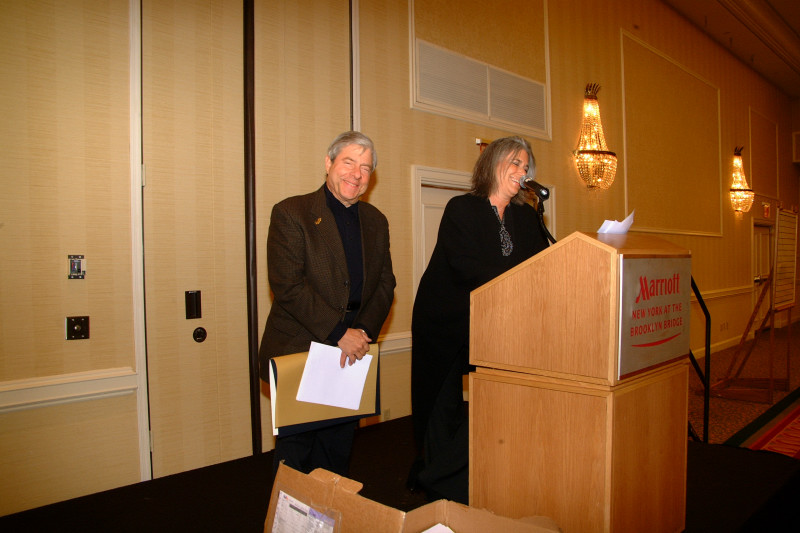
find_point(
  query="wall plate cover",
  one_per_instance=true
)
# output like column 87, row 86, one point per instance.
column 77, row 327
column 77, row 266
column 193, row 305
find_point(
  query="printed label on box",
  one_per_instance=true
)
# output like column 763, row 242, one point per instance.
column 293, row 516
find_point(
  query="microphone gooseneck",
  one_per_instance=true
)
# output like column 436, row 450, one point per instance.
column 543, row 193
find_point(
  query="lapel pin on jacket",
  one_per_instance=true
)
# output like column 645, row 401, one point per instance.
column 318, row 221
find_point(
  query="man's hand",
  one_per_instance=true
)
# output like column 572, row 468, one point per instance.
column 354, row 345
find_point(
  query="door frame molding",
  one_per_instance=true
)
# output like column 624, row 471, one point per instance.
column 137, row 239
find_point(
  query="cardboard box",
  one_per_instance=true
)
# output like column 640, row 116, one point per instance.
column 325, row 501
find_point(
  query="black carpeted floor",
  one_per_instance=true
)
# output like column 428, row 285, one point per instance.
column 729, row 489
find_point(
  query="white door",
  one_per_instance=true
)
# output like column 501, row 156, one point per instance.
column 434, row 200
column 432, row 188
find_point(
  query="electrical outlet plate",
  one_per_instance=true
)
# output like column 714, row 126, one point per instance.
column 76, row 327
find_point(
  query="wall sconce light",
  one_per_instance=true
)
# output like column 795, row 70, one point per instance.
column 741, row 195
column 596, row 165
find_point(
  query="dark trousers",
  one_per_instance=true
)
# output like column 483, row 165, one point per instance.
column 327, row 448
column 445, row 473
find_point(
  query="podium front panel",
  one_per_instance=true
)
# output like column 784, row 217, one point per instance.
column 654, row 312
column 540, row 449
column 593, row 458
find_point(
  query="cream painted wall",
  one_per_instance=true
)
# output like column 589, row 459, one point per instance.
column 64, row 91
column 66, row 187
column 67, row 449
column 302, row 78
column 586, row 45
column 68, row 409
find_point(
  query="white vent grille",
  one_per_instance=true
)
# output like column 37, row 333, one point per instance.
column 515, row 99
column 452, row 80
column 457, row 86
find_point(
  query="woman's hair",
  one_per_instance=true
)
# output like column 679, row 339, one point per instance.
column 352, row 137
column 484, row 175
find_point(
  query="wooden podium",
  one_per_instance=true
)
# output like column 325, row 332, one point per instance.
column 578, row 405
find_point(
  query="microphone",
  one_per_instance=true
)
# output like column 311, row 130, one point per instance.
column 527, row 182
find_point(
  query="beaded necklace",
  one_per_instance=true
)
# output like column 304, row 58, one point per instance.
column 506, row 246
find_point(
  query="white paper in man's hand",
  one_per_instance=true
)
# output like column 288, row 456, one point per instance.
column 327, row 383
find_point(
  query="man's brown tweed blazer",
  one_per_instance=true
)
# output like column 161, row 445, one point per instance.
column 308, row 275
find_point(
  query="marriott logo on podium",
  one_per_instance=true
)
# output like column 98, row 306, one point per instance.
column 658, row 287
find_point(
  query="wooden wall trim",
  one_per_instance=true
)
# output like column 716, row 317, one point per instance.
column 137, row 238
column 768, row 27
column 674, row 195
column 47, row 391
column 725, row 292
column 395, row 343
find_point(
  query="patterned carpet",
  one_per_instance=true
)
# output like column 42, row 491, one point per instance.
column 776, row 430
column 783, row 438
column 743, row 422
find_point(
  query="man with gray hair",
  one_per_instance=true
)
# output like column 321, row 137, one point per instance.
column 330, row 272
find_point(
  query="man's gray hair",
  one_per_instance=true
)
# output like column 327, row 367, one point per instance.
column 352, row 137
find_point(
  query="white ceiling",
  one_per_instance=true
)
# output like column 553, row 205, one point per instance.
column 764, row 34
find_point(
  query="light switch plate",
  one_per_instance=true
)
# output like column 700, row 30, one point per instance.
column 77, row 267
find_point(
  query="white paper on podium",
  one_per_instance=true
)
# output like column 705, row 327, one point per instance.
column 615, row 226
column 438, row 528
column 326, row 383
